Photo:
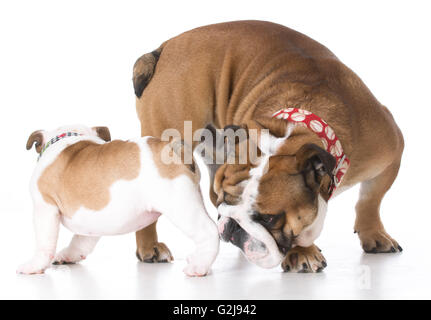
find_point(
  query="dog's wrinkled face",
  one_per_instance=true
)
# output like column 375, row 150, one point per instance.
column 279, row 201
column 40, row 137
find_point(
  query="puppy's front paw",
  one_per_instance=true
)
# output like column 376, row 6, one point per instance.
column 34, row 266
column 196, row 267
column 304, row 260
column 68, row 256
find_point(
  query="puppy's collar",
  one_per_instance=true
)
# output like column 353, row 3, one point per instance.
column 325, row 133
column 56, row 139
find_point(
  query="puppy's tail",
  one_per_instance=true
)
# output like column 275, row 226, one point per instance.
column 143, row 70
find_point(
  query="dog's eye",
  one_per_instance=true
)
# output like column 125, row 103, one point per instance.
column 269, row 220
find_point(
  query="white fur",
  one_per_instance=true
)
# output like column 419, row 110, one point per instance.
column 134, row 204
column 312, row 232
column 243, row 211
column 242, row 214
column 79, row 248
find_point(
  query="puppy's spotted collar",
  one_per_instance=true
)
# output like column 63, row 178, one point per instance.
column 56, row 139
column 325, row 133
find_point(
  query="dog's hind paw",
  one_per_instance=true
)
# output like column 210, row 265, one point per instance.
column 67, row 256
column 158, row 252
column 378, row 241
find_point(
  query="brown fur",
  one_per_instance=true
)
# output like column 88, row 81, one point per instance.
column 82, row 174
column 35, row 137
column 103, row 133
column 176, row 152
column 232, row 73
column 301, row 259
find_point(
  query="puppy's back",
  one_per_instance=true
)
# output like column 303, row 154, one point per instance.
column 82, row 174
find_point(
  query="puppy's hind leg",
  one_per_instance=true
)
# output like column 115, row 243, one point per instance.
column 368, row 225
column 196, row 224
column 79, row 248
column 46, row 225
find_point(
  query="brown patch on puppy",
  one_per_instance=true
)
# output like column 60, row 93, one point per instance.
column 176, row 150
column 35, row 137
column 83, row 173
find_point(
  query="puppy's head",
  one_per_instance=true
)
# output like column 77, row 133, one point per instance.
column 277, row 200
column 40, row 137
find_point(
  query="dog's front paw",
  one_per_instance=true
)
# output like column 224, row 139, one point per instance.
column 158, row 252
column 68, row 256
column 378, row 241
column 196, row 266
column 34, row 266
column 304, row 260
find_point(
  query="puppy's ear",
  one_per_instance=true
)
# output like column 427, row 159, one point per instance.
column 103, row 133
column 36, row 138
column 317, row 166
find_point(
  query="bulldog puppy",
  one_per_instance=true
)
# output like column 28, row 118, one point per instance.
column 320, row 132
column 95, row 187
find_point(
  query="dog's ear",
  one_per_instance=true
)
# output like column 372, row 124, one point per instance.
column 218, row 146
column 103, row 133
column 218, row 184
column 317, row 166
column 209, row 147
column 268, row 134
column 36, row 138
column 233, row 136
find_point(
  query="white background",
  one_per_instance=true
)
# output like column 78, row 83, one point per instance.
column 71, row 62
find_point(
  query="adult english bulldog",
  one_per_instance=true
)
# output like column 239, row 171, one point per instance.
column 327, row 132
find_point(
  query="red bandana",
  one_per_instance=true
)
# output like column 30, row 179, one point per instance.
column 326, row 134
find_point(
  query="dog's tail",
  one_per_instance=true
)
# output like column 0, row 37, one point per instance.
column 143, row 70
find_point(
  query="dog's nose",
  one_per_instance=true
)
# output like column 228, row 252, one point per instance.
column 230, row 227
column 284, row 243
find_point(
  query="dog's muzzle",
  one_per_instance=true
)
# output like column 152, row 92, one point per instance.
column 254, row 249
